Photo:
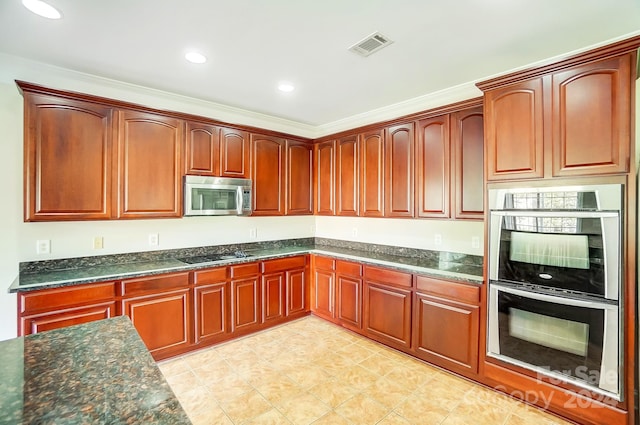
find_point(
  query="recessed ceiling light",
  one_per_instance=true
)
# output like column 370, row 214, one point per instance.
column 41, row 8
column 286, row 87
column 195, row 57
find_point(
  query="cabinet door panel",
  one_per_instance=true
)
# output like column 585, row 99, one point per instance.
column 446, row 333
column 372, row 174
column 433, row 167
column 399, row 171
column 299, row 178
column 273, row 297
column 211, row 314
column 268, row 175
column 467, row 144
column 349, row 301
column 68, row 158
column 245, row 304
column 202, row 149
column 63, row 318
column 149, row 188
column 514, row 131
column 323, row 293
column 591, row 118
column 234, row 153
column 347, row 176
column 163, row 321
column 387, row 314
column 324, row 174
column 297, row 292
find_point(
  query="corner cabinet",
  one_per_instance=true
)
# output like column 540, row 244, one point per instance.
column 149, row 188
column 573, row 120
column 299, row 178
column 68, row 156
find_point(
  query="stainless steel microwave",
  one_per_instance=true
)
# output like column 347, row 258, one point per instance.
column 216, row 196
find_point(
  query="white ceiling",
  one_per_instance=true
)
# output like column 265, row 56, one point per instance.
column 254, row 44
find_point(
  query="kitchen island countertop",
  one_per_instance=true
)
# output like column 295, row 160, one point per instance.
column 94, row 373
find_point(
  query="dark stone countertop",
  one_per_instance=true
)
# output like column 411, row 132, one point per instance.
column 95, row 373
column 448, row 266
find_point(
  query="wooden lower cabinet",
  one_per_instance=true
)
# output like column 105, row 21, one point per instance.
column 349, row 295
column 245, row 304
column 68, row 317
column 211, row 306
column 273, row 297
column 323, row 288
column 297, row 293
column 387, row 307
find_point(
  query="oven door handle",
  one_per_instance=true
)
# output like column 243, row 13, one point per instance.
column 554, row 299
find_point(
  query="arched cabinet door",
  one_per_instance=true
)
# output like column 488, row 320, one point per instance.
column 432, row 169
column 269, row 164
column 372, row 174
column 514, row 131
column 591, row 118
column 467, row 145
column 399, row 171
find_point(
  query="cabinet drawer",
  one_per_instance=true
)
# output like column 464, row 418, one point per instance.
column 347, row 267
column 50, row 320
column 210, row 276
column 283, row 264
column 53, row 299
column 455, row 290
column 154, row 284
column 325, row 263
column 250, row 269
column 386, row 276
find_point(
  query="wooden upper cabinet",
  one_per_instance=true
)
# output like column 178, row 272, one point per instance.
column 202, row 149
column 234, row 153
column 299, row 178
column 372, row 174
column 268, row 167
column 68, row 159
column 399, row 171
column 347, row 176
column 467, row 145
column 514, row 131
column 325, row 177
column 433, row 161
column 149, row 188
column 591, row 115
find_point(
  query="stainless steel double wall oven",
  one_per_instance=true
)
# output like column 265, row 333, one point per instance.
column 555, row 283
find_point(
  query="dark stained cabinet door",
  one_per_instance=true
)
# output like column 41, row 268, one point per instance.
column 514, row 131
column 273, row 297
column 297, row 292
column 325, row 177
column 149, row 188
column 399, row 171
column 162, row 320
column 211, row 312
column 349, row 301
column 372, row 174
column 68, row 159
column 446, row 332
column 433, row 162
column 268, row 169
column 202, row 149
column 592, row 117
column 387, row 314
column 299, row 178
column 467, row 145
column 347, row 176
column 245, row 304
column 323, row 293
column 234, row 153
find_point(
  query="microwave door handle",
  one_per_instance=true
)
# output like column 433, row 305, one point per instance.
column 555, row 299
column 239, row 200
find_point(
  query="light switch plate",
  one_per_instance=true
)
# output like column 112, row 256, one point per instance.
column 43, row 246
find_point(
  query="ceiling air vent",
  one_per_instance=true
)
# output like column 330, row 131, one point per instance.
column 370, row 44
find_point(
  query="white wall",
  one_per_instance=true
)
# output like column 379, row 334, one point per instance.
column 74, row 239
column 456, row 235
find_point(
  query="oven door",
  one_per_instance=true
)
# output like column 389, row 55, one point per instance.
column 573, row 340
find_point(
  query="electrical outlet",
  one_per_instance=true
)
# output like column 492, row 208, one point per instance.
column 154, row 239
column 475, row 242
column 354, row 232
column 98, row 242
column 43, row 246
column 437, row 239
column 253, row 233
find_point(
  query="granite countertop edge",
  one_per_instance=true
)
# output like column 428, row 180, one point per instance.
column 143, row 269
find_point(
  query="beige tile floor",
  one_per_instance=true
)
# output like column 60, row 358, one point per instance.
column 312, row 372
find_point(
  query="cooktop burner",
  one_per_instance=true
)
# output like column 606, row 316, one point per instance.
column 214, row 257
